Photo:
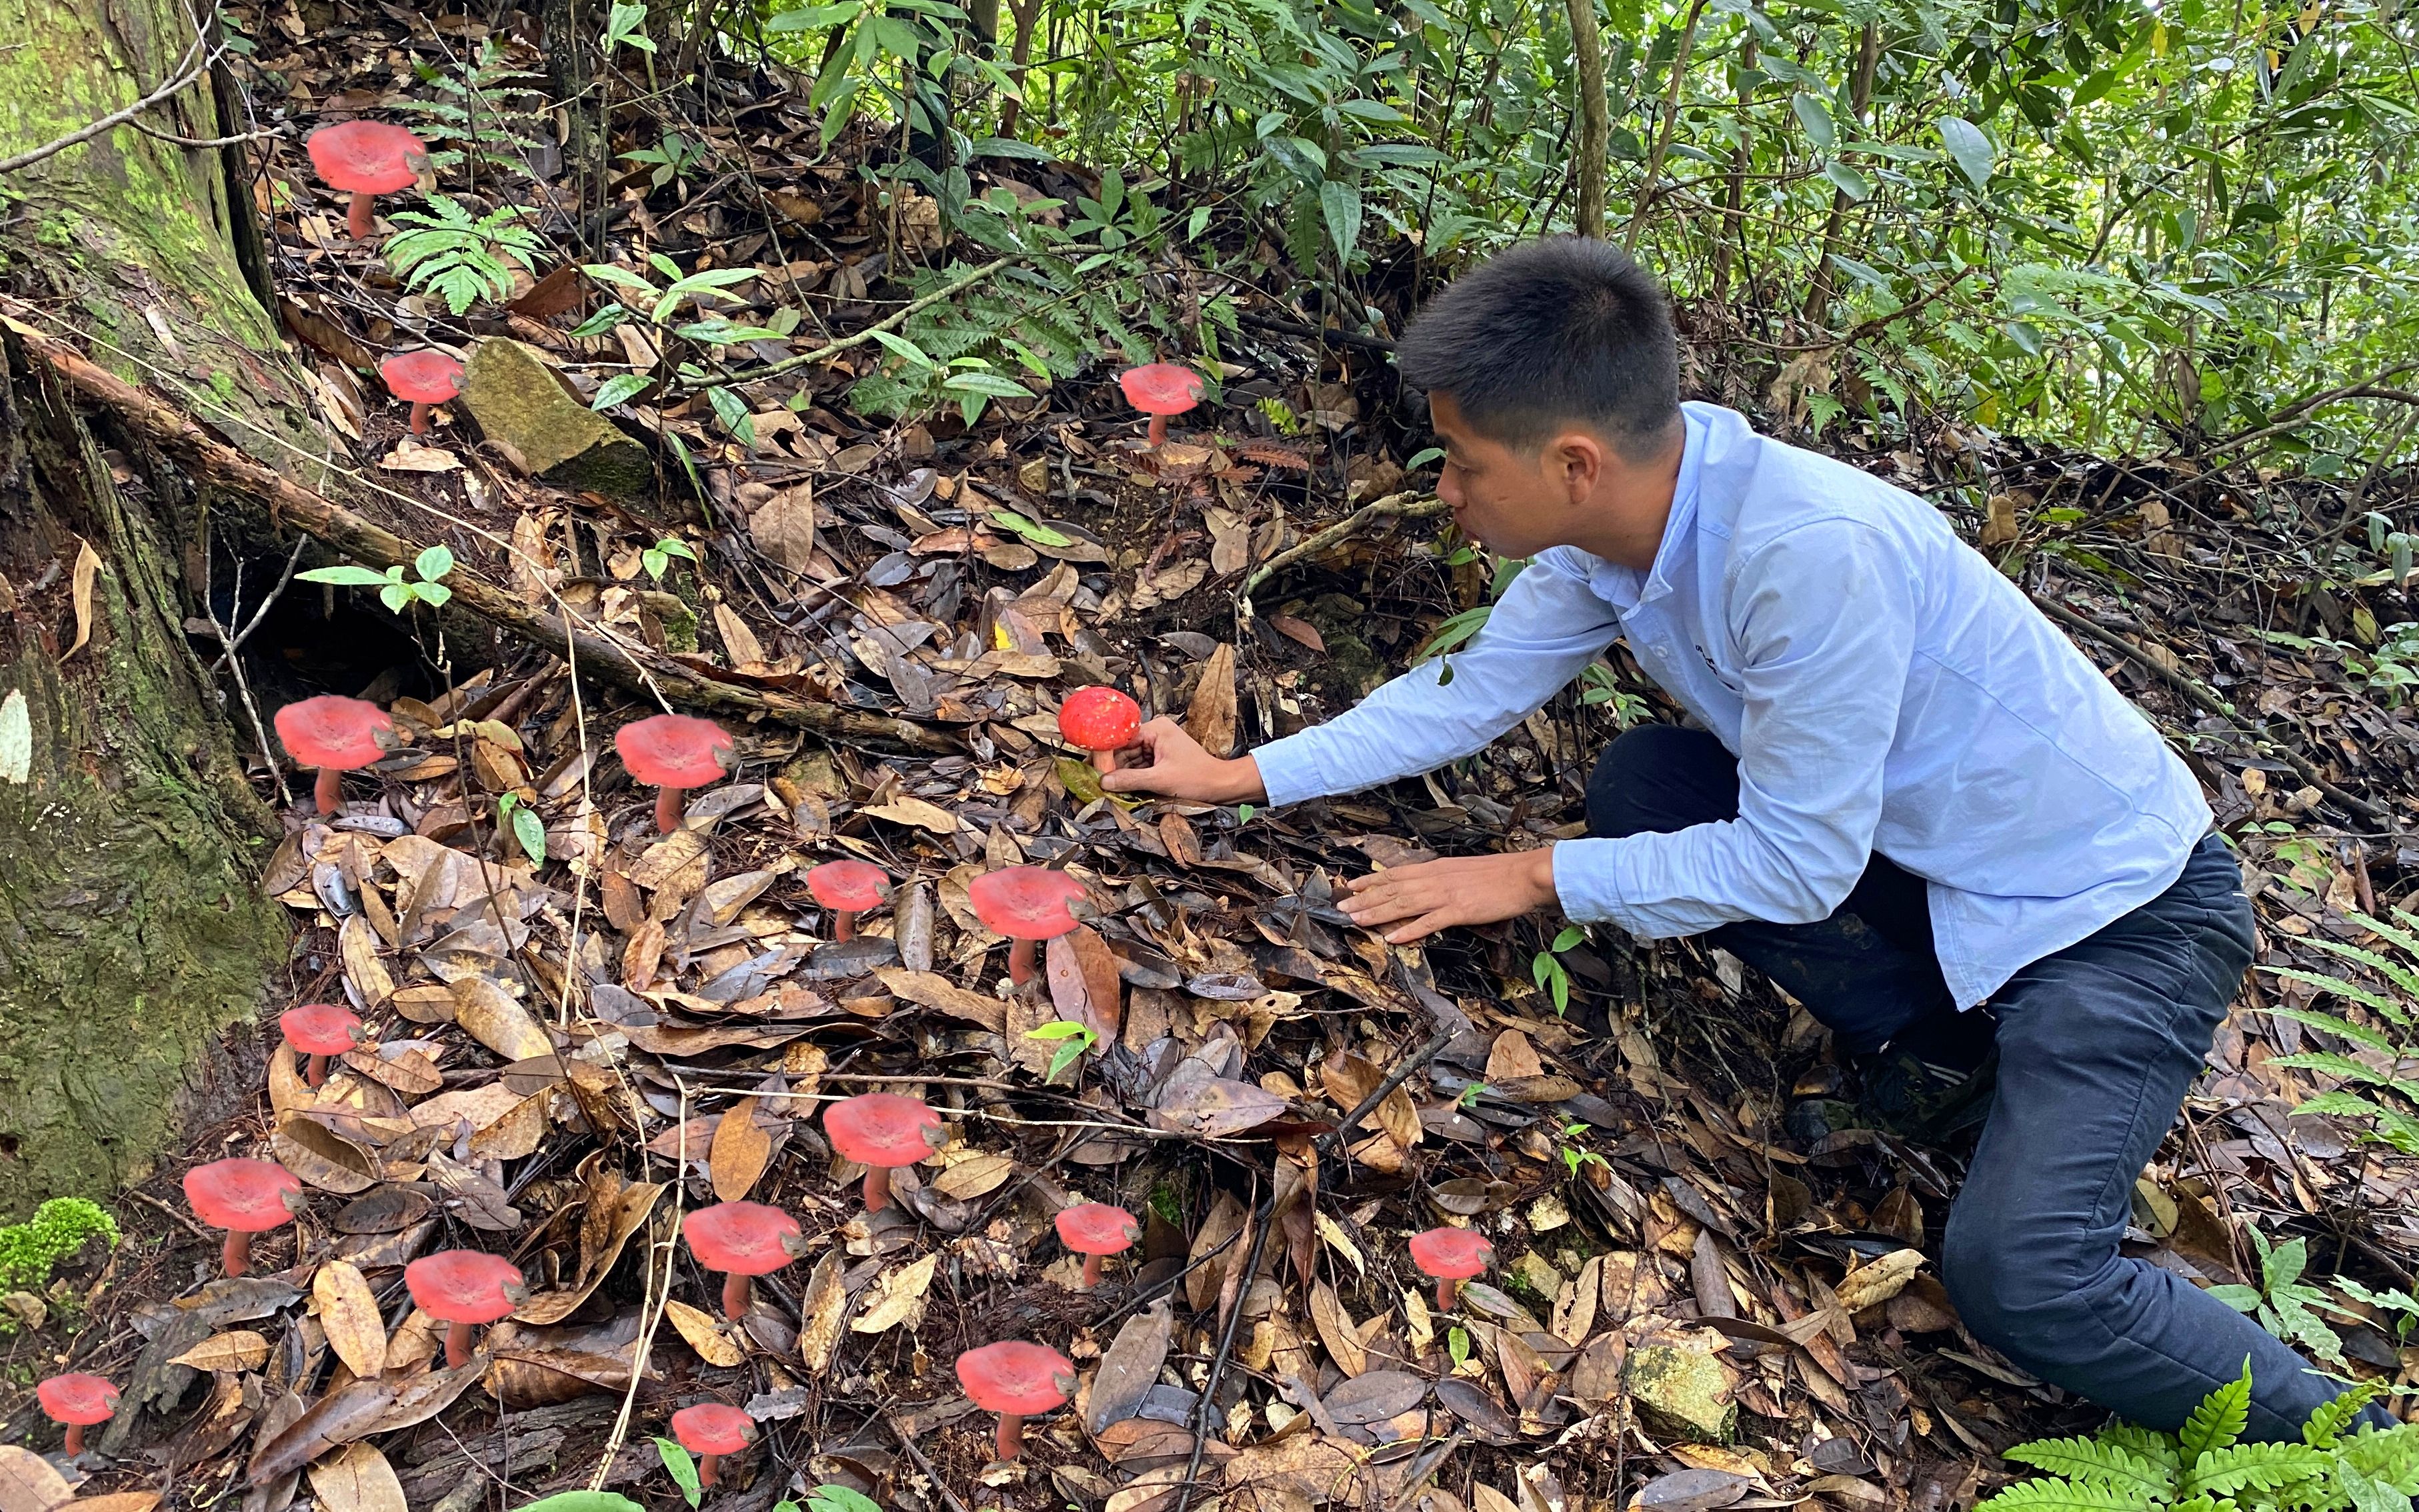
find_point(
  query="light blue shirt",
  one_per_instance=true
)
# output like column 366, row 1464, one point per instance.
column 1884, row 688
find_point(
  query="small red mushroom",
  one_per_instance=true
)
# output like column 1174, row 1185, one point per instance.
column 1093, row 1231
column 320, row 1031
column 847, row 888
column 463, row 1289
column 426, row 379
column 368, row 159
column 336, row 735
column 1451, row 1256
column 78, row 1401
column 741, row 1240
column 1160, row 390
column 672, row 753
column 710, row 1430
column 1015, row 1379
column 244, row 1197
column 1025, row 904
column 882, row 1132
column 1103, row 721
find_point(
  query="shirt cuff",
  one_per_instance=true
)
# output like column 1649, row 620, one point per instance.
column 1587, row 881
column 1289, row 770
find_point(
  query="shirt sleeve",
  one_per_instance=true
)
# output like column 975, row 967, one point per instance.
column 1547, row 625
column 1824, row 620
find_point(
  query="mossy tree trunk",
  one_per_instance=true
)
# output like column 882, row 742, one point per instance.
column 131, row 927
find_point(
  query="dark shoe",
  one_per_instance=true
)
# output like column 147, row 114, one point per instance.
column 1922, row 1098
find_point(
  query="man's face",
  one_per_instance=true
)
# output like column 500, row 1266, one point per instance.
column 1517, row 500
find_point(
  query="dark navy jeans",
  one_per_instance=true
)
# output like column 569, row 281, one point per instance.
column 2097, row 1045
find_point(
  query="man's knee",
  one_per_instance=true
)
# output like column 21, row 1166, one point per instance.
column 2008, row 1287
column 1659, row 778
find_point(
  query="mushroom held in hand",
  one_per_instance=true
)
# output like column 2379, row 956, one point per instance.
column 423, row 379
column 1025, row 904
column 320, row 1031
column 335, row 734
column 882, row 1132
column 847, row 888
column 672, row 753
column 244, row 1197
column 78, row 1401
column 1103, row 721
column 1093, row 1229
column 1160, row 390
column 463, row 1289
column 740, row 1239
column 368, row 159
column 710, row 1430
column 1451, row 1256
column 1015, row 1379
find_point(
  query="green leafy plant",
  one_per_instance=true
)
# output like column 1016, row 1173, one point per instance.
column 836, row 1499
column 1548, row 968
column 459, row 259
column 394, row 590
column 673, row 157
column 482, row 116
column 1574, row 1150
column 526, row 826
column 1457, row 1346
column 1243, row 812
column 2282, row 1302
column 1075, row 1039
column 2375, row 1095
column 2207, row 1467
column 57, row 1229
column 657, row 558
column 626, row 25
column 682, row 1469
column 660, row 306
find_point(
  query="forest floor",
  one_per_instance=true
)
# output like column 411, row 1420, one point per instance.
column 1709, row 1288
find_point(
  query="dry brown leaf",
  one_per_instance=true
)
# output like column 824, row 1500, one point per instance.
column 358, row 1480
column 28, row 1482
column 117, row 1502
column 899, row 1298
column 784, row 528
column 288, row 1091
column 704, row 1336
column 740, row 1152
column 1084, row 983
column 497, row 1019
column 974, row 1176
column 930, row 989
column 737, row 640
column 616, row 1209
column 87, row 566
column 1211, row 718
column 915, row 812
column 236, row 1349
column 323, row 1158
column 1337, row 1330
column 1878, row 1280
column 1202, row 1279
column 348, row 1311
column 820, row 1308
column 357, row 943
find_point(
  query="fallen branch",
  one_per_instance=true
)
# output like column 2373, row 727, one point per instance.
column 1402, row 506
column 338, row 528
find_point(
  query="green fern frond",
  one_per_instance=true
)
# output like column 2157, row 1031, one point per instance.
column 2329, row 1418
column 2340, row 988
column 2348, row 1069
column 2098, row 1463
column 2341, row 1028
column 2255, row 1467
column 2063, row 1496
column 2145, row 1443
column 2218, row 1421
column 2391, row 1455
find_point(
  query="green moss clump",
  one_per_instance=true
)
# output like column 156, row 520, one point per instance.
column 57, row 1229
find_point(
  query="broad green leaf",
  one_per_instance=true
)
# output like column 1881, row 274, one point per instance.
column 676, row 1459
column 582, row 1501
column 434, row 563
column 1850, row 183
column 619, row 389
column 1339, row 203
column 990, row 383
column 900, row 347
column 1038, row 534
column 1968, row 147
column 348, row 576
column 1816, row 118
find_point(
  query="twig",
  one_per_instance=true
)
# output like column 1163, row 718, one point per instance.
column 192, row 1227
column 202, row 141
column 890, row 322
column 907, row 1442
column 293, row 560
column 1407, row 506
column 1294, row 327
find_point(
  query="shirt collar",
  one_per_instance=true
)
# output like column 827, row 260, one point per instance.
column 1625, row 588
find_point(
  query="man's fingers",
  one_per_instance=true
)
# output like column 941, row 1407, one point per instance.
column 1419, row 929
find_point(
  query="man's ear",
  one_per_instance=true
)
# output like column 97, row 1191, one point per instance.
column 1577, row 461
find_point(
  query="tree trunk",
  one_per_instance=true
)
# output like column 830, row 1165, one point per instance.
column 1587, row 55
column 131, row 929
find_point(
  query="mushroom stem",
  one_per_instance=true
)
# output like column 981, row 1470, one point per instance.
column 843, row 926
column 1020, row 962
column 737, row 1294
column 357, row 219
column 314, row 1070
column 457, row 1345
column 1105, row 761
column 76, row 1439
column 877, row 1188
column 667, row 810
column 1091, row 1271
column 1011, row 1435
column 706, row 1465
column 1444, row 1294
column 1158, row 422
column 236, row 1254
column 419, row 417
column 328, row 790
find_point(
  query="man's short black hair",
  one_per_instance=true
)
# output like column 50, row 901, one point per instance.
column 1555, row 330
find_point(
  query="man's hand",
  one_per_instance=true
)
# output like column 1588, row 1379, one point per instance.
column 1462, row 889
column 1181, row 769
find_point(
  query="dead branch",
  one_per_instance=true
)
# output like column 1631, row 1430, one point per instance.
column 1404, row 505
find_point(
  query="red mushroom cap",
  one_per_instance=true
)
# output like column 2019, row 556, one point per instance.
column 1016, row 1378
column 1161, row 388
column 367, row 157
column 1025, row 902
column 1100, row 719
column 713, row 1429
column 884, row 1129
column 425, row 377
column 333, row 731
column 673, row 751
column 851, row 887
column 79, row 1399
column 249, row 1197
column 740, row 1238
column 320, row 1028
column 463, row 1286
column 1096, row 1229
column 1452, row 1254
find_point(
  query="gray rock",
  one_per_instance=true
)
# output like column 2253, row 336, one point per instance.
column 525, row 412
column 1683, row 1391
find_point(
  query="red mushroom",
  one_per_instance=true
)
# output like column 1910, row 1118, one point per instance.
column 463, row 1289
column 1025, row 904
column 320, row 1031
column 78, row 1401
column 335, row 734
column 882, row 1132
column 1094, row 1229
column 426, row 379
column 1160, row 390
column 1451, row 1255
column 1103, row 721
column 244, row 1197
column 710, row 1430
column 672, row 753
column 740, row 1239
column 847, row 888
column 1015, row 1379
column 368, row 159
